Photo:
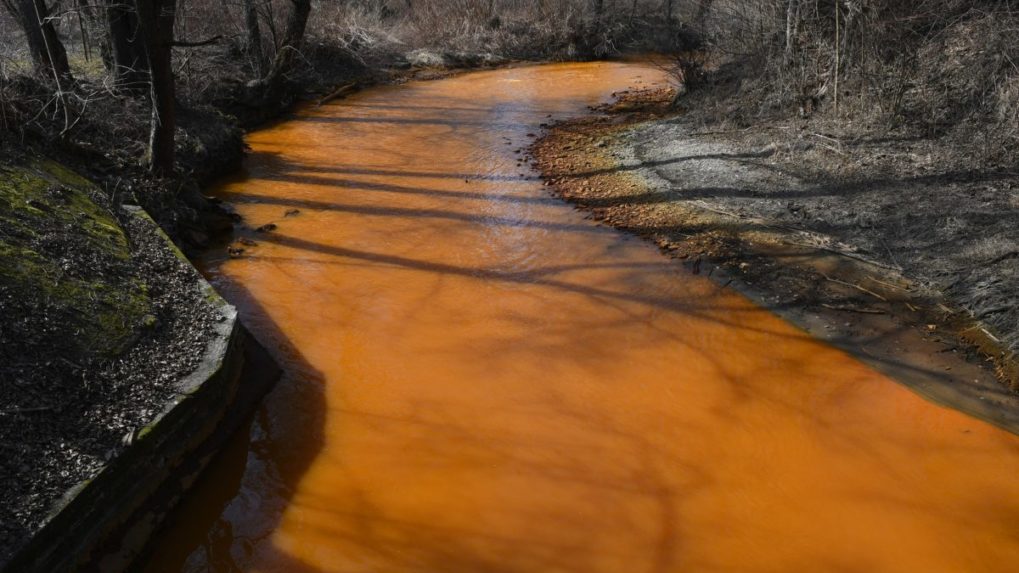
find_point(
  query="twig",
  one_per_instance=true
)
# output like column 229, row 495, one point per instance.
column 1004, row 257
column 881, row 282
column 856, row 286
column 847, row 255
column 853, row 309
column 186, row 44
column 828, row 137
column 889, row 251
column 337, row 93
column 25, row 410
column 726, row 132
column 832, row 148
column 838, row 143
column 989, row 335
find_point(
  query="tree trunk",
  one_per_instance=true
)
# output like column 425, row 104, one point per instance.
column 848, row 21
column 255, row 50
column 282, row 63
column 838, row 54
column 47, row 50
column 155, row 20
column 668, row 11
column 128, row 60
column 791, row 23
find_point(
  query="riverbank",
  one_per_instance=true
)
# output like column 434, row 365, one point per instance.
column 872, row 265
column 101, row 321
column 122, row 373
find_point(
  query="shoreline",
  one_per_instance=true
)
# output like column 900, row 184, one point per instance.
column 861, row 305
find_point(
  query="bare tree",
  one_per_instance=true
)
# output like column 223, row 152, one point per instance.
column 791, row 22
column 272, row 84
column 255, row 50
column 128, row 61
column 47, row 50
column 155, row 21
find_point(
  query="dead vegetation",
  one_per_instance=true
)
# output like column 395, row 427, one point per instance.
column 903, row 116
column 938, row 69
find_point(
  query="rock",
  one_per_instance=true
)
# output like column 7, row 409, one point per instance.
column 424, row 58
column 475, row 59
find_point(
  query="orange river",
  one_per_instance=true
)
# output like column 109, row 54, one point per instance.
column 479, row 379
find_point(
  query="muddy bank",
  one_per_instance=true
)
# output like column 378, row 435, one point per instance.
column 952, row 231
column 869, row 265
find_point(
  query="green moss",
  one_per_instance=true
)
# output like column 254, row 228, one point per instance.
column 144, row 432
column 65, row 256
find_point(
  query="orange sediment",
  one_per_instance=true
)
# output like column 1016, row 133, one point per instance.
column 479, row 379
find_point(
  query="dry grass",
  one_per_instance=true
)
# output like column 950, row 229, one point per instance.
column 344, row 39
column 349, row 39
column 940, row 68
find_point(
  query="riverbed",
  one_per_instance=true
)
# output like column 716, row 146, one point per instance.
column 478, row 378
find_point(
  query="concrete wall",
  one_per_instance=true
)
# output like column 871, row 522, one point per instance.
column 105, row 523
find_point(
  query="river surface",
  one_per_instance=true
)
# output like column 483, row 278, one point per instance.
column 479, row 379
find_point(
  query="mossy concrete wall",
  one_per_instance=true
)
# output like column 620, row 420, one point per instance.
column 104, row 524
column 41, row 199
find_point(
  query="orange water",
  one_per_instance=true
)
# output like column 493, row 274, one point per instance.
column 481, row 380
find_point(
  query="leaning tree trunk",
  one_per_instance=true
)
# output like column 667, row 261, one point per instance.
column 128, row 60
column 272, row 84
column 43, row 42
column 155, row 21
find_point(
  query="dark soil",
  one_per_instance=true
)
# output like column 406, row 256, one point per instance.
column 66, row 412
column 886, row 267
